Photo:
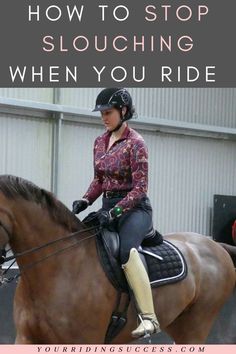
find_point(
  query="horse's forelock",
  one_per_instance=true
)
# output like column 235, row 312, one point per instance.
column 16, row 187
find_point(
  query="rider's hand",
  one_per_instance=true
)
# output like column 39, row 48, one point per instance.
column 106, row 217
column 79, row 205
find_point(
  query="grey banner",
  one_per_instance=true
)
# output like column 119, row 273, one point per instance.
column 144, row 43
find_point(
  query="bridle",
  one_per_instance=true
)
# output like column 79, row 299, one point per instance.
column 3, row 250
column 4, row 258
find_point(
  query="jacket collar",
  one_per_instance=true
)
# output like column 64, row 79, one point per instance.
column 124, row 135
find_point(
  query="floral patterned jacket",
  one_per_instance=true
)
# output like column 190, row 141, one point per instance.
column 123, row 167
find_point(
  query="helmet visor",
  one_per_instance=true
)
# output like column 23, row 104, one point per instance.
column 102, row 107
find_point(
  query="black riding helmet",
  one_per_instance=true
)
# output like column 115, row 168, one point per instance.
column 115, row 98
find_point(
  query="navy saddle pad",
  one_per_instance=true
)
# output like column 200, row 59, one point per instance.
column 164, row 262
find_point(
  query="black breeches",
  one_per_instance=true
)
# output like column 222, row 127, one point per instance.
column 132, row 226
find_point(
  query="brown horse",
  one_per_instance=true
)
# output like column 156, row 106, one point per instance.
column 68, row 299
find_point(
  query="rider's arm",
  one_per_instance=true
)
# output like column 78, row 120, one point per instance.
column 139, row 170
column 95, row 188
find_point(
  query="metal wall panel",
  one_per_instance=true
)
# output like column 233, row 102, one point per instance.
column 76, row 162
column 79, row 97
column 185, row 172
column 32, row 94
column 211, row 106
column 25, row 145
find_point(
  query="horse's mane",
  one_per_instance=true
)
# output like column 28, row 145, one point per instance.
column 16, row 187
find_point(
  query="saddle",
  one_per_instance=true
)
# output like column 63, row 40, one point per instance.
column 163, row 261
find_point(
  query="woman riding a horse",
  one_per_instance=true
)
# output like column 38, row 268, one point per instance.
column 121, row 174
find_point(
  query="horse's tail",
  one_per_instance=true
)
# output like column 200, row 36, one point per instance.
column 231, row 251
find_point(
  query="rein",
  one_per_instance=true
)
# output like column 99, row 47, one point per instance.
column 35, row 249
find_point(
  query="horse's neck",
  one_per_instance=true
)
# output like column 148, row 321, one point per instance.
column 34, row 228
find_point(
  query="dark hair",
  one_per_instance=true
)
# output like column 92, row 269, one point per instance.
column 130, row 112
